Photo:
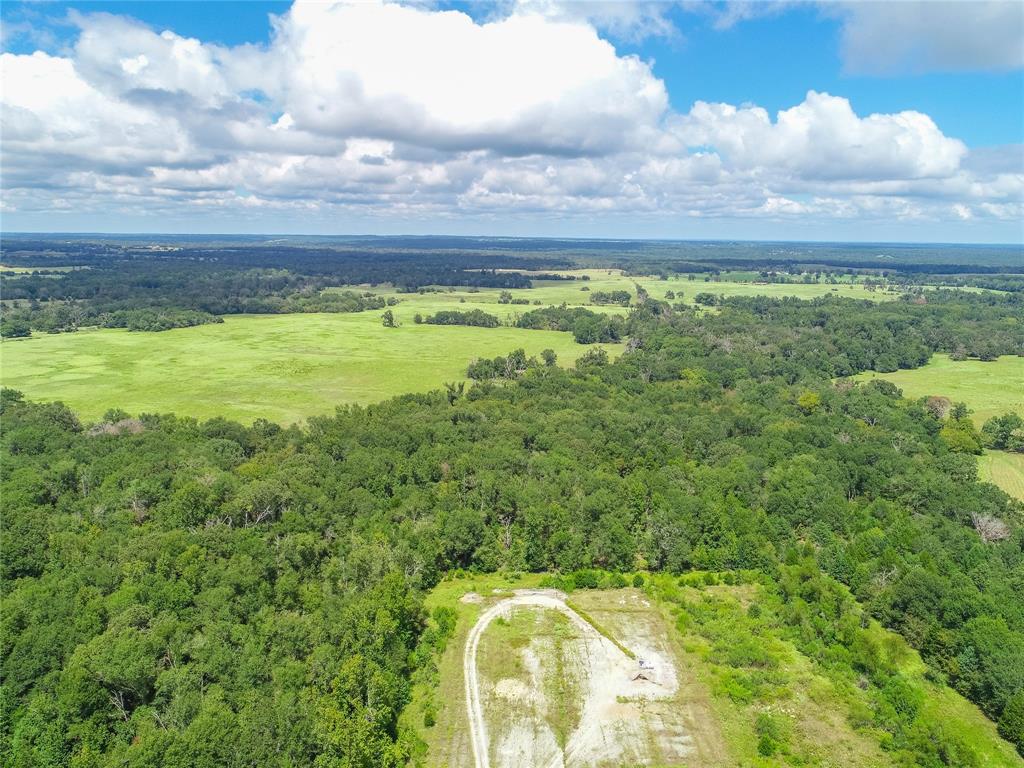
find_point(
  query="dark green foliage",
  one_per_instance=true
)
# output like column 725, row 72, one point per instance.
column 511, row 367
column 15, row 326
column 622, row 298
column 1005, row 433
column 150, row 320
column 587, row 327
column 706, row 299
column 1011, row 724
column 474, row 317
column 771, row 734
column 181, row 593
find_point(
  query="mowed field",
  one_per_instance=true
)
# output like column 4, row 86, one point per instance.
column 1004, row 469
column 279, row 367
column 989, row 388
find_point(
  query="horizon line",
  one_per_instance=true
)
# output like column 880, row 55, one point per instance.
column 1016, row 245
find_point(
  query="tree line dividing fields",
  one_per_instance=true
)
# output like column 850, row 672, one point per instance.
column 990, row 390
column 290, row 366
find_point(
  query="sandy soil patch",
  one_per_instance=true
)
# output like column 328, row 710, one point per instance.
column 617, row 723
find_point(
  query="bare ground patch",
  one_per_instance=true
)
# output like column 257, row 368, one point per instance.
column 545, row 688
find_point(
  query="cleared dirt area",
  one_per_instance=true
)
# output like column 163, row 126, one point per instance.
column 545, row 686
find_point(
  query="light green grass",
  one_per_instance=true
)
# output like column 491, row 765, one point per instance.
column 289, row 367
column 1004, row 469
column 279, row 367
column 830, row 717
column 30, row 270
column 989, row 388
column 554, row 292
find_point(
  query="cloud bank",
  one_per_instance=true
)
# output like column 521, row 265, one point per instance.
column 407, row 112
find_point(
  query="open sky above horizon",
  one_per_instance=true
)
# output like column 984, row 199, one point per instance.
column 869, row 121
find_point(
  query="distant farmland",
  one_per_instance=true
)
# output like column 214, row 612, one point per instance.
column 289, row 367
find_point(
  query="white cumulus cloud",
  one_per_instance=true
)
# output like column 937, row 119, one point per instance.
column 405, row 111
column 823, row 138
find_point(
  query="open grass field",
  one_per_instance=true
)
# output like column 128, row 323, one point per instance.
column 554, row 292
column 989, row 388
column 279, row 367
column 289, row 367
column 30, row 270
column 1004, row 469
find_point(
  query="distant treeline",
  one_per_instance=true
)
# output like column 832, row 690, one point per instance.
column 24, row 316
column 191, row 284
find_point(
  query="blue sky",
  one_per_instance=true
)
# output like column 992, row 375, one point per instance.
column 960, row 179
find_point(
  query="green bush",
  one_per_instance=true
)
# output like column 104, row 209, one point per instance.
column 772, row 736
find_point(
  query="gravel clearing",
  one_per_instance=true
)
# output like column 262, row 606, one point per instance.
column 613, row 727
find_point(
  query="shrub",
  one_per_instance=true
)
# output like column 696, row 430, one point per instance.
column 771, row 733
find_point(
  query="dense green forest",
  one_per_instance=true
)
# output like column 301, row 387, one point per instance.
column 180, row 593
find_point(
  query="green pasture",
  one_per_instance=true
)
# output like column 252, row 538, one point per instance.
column 289, row 367
column 572, row 293
column 1004, row 469
column 989, row 388
column 280, row 367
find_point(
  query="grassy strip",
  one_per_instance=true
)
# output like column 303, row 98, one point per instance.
column 600, row 630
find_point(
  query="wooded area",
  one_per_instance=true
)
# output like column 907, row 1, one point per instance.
column 184, row 593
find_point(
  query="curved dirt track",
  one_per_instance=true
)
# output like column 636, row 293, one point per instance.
column 551, row 599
